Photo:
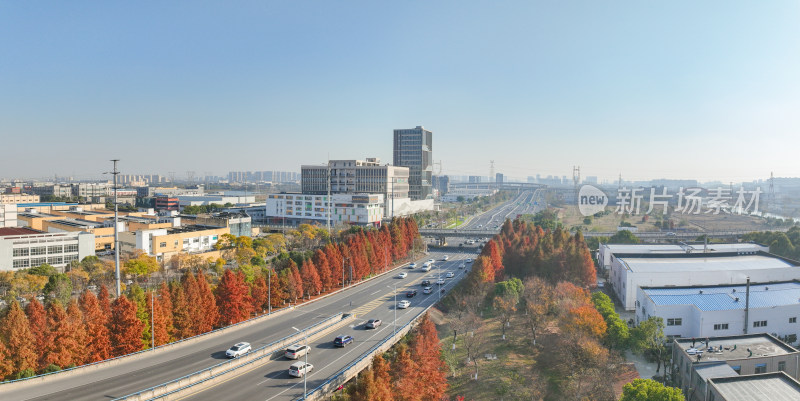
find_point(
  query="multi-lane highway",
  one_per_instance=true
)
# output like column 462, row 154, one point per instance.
column 272, row 380
column 372, row 299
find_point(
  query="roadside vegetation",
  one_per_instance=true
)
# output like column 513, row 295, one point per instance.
column 63, row 331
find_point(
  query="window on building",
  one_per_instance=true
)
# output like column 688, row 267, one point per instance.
column 162, row 245
column 761, row 368
column 55, row 260
column 737, row 369
column 52, row 249
column 760, row 323
column 38, row 261
column 39, row 250
column 793, row 320
column 21, row 252
column 721, row 326
column 781, row 366
column 21, row 263
column 70, row 258
column 71, row 248
column 674, row 322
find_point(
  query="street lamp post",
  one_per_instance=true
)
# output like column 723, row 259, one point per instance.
column 305, row 368
column 269, row 291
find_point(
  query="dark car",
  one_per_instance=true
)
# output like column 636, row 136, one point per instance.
column 426, row 283
column 342, row 340
column 411, row 293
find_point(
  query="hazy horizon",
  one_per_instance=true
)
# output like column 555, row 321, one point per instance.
column 678, row 90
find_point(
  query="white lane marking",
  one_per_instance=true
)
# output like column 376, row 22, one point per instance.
column 375, row 292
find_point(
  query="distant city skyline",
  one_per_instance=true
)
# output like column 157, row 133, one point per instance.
column 678, row 90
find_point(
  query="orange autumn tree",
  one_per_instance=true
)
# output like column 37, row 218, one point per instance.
column 38, row 322
column 181, row 313
column 405, row 375
column 258, row 294
column 431, row 368
column 165, row 305
column 98, row 342
column 125, row 327
column 6, row 366
column 208, row 304
column 61, row 344
column 233, row 299
column 312, row 285
column 585, row 320
column 20, row 343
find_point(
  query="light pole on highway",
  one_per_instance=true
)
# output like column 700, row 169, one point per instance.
column 305, row 368
column 269, row 291
column 395, row 307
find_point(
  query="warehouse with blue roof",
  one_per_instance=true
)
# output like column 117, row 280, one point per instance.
column 724, row 310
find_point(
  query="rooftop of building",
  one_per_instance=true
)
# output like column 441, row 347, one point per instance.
column 677, row 248
column 80, row 223
column 727, row 297
column 7, row 231
column 191, row 228
column 777, row 386
column 734, row 347
column 675, row 263
column 32, row 215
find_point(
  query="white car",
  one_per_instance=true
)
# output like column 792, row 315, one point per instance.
column 299, row 369
column 238, row 350
column 402, row 275
column 469, row 260
column 440, row 281
column 431, row 261
column 412, row 265
column 427, row 290
column 403, row 304
column 445, row 258
column 296, row 351
column 449, row 275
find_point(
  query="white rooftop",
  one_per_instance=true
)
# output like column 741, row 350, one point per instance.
column 764, row 387
column 675, row 248
column 694, row 264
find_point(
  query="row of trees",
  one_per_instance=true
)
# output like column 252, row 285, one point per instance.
column 540, row 278
column 49, row 337
column 413, row 370
column 522, row 250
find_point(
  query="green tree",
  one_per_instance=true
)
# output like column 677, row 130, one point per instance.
column 648, row 338
column 59, row 286
column 650, row 390
column 43, row 270
column 142, row 265
column 623, row 237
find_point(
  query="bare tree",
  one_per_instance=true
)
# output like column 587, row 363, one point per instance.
column 537, row 303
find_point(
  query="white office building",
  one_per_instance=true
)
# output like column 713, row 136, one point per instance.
column 22, row 248
column 295, row 208
column 8, row 215
column 607, row 251
column 631, row 271
column 725, row 310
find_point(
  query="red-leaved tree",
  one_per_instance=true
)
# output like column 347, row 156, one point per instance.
column 126, row 328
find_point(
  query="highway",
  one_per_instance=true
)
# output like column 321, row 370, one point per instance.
column 272, row 381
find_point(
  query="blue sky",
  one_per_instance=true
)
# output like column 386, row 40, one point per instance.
column 680, row 89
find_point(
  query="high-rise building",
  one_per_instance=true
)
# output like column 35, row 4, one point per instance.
column 498, row 178
column 413, row 148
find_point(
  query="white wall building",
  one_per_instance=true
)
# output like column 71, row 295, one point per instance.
column 295, row 208
column 629, row 272
column 21, row 248
column 8, row 215
column 708, row 311
column 203, row 200
column 607, row 251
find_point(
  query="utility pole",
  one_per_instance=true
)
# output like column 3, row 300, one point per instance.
column 329, row 196
column 269, row 291
column 116, row 229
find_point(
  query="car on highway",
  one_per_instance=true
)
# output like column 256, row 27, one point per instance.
column 426, row 283
column 343, row 340
column 403, row 304
column 402, row 275
column 440, row 281
column 469, row 260
column 411, row 293
column 299, row 369
column 412, row 265
column 445, row 258
column 427, row 290
column 450, row 274
column 431, row 261
column 238, row 350
column 373, row 323
column 671, row 234
column 296, row 351
column 463, row 265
